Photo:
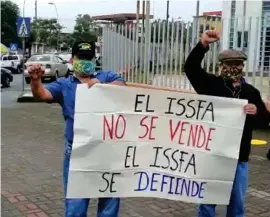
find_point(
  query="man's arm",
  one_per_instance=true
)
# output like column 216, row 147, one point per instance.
column 113, row 78
column 263, row 115
column 39, row 91
column 199, row 79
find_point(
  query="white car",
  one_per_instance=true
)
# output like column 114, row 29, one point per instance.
column 12, row 62
column 54, row 65
column 68, row 58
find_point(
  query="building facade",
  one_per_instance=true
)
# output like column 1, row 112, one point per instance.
column 246, row 26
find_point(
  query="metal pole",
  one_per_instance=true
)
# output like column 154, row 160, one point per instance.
column 23, row 47
column 36, row 9
column 23, row 55
column 57, row 17
column 143, row 18
column 167, row 12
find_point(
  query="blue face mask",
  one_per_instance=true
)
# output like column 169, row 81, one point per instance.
column 85, row 67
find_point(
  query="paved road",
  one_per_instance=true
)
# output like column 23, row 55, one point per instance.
column 32, row 138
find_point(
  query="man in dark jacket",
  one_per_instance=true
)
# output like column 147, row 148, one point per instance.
column 230, row 84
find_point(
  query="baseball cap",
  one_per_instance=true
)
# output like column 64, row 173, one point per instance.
column 84, row 50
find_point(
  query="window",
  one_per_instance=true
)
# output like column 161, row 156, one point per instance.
column 42, row 58
column 239, row 39
column 14, row 57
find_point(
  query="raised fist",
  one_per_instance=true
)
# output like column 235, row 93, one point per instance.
column 209, row 37
column 35, row 71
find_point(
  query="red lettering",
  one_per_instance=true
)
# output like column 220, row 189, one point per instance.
column 192, row 135
column 200, row 144
column 209, row 138
column 114, row 128
column 181, row 132
column 188, row 134
column 148, row 127
column 173, row 132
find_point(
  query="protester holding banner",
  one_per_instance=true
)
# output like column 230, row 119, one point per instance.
column 230, row 84
column 63, row 91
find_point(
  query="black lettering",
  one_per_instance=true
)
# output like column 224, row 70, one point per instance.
column 190, row 105
column 133, row 157
column 109, row 182
column 137, row 102
column 192, row 163
column 175, row 161
column 181, row 160
column 156, row 157
column 199, row 107
column 167, row 157
column 183, row 106
column 170, row 105
column 209, row 108
column 147, row 105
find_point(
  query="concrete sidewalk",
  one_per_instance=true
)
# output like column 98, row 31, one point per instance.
column 32, row 144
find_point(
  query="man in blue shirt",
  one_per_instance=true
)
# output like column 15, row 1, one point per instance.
column 63, row 91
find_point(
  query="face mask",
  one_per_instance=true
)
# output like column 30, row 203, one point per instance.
column 233, row 73
column 85, row 67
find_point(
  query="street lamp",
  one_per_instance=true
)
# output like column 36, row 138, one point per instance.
column 52, row 3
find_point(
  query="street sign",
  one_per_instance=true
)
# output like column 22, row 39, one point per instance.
column 23, row 27
column 13, row 46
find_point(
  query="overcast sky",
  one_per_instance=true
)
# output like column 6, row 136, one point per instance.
column 68, row 9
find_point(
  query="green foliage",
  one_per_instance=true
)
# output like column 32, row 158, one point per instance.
column 85, row 28
column 9, row 13
column 46, row 31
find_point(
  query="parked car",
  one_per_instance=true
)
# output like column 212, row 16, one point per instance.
column 68, row 58
column 12, row 62
column 54, row 65
column 6, row 77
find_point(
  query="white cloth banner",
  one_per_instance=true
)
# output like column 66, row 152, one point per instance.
column 136, row 142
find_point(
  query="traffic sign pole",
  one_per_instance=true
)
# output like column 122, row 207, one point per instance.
column 23, row 31
column 23, row 76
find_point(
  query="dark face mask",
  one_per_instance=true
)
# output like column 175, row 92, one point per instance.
column 232, row 72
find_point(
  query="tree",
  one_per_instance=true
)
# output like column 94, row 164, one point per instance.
column 46, row 31
column 9, row 13
column 85, row 28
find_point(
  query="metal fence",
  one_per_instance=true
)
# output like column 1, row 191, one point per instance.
column 156, row 55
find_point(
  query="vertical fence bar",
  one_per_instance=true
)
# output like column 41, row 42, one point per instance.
column 186, row 52
column 130, row 51
column 172, row 53
column 182, row 54
column 167, row 52
column 176, row 54
column 134, row 52
column 158, row 54
column 263, row 54
column 163, row 49
column 235, row 33
column 248, row 45
column 114, row 42
column 214, row 53
column 256, row 49
column 153, row 66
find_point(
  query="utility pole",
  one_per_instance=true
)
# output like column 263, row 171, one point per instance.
column 36, row 9
column 168, row 11
column 143, row 12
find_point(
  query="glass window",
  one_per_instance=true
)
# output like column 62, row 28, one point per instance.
column 37, row 58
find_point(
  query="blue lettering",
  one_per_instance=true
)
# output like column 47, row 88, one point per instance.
column 186, row 186
column 194, row 188
column 140, row 188
column 169, row 184
column 154, row 181
column 201, row 189
column 178, row 180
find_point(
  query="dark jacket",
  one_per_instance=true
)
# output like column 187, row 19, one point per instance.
column 209, row 84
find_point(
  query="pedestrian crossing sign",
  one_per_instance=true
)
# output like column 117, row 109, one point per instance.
column 13, row 46
column 23, row 27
